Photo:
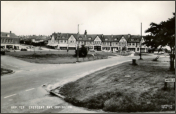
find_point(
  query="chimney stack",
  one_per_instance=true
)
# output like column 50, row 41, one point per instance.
column 129, row 35
column 10, row 32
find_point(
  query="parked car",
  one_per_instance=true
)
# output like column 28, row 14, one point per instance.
column 23, row 49
column 2, row 51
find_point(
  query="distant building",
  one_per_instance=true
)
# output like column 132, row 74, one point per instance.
column 9, row 40
column 97, row 42
column 35, row 40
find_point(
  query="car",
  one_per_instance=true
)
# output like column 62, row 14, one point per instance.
column 23, row 49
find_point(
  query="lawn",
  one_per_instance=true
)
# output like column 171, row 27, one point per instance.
column 143, row 54
column 56, row 57
column 124, row 88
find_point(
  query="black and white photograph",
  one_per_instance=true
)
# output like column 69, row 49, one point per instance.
column 88, row 56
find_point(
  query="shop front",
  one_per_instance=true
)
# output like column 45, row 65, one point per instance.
column 97, row 48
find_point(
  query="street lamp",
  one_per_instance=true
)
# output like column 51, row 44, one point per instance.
column 78, row 45
column 140, row 45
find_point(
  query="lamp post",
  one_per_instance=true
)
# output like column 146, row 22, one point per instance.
column 78, row 44
column 140, row 45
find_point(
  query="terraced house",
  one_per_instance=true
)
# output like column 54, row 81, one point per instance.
column 9, row 40
column 98, row 42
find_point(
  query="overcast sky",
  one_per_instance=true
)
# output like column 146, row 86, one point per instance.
column 97, row 17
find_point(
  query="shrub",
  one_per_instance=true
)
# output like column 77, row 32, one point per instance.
column 82, row 51
column 2, row 52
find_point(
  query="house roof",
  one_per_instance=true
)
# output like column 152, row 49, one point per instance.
column 63, row 36
column 4, row 37
column 12, row 35
column 113, row 37
column 110, row 38
column 86, row 37
column 107, row 38
column 66, row 36
column 134, row 39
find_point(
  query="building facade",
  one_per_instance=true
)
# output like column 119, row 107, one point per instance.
column 98, row 42
column 10, row 41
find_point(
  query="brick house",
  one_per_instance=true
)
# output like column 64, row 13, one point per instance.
column 10, row 41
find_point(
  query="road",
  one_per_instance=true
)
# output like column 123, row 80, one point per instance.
column 23, row 88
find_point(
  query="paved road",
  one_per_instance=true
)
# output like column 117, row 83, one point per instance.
column 24, row 86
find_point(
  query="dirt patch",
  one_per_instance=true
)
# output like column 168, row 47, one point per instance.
column 124, row 88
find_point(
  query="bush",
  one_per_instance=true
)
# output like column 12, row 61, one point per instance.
column 2, row 52
column 82, row 51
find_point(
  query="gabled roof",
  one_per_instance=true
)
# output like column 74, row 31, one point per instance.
column 12, row 35
column 86, row 37
column 113, row 37
column 64, row 36
column 93, row 36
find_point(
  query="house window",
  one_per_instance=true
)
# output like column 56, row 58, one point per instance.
column 115, row 39
column 132, row 39
column 80, row 38
column 89, row 38
column 63, row 37
column 106, row 39
column 137, row 49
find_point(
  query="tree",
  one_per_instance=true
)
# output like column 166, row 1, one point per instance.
column 163, row 34
column 124, row 48
column 85, row 33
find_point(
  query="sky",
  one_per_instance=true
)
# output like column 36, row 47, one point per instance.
column 97, row 17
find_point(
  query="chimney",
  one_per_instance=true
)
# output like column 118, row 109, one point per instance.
column 10, row 32
column 85, row 33
column 129, row 35
column 112, row 35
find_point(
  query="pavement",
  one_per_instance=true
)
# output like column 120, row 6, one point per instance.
column 23, row 92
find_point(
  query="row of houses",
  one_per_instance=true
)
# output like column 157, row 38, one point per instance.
column 70, row 41
column 97, row 42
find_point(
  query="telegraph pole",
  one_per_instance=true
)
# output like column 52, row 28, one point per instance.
column 140, row 45
column 78, row 46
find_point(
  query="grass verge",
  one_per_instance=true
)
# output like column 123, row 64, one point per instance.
column 56, row 57
column 124, row 88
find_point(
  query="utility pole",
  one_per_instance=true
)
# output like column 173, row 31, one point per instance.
column 78, row 45
column 140, row 45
